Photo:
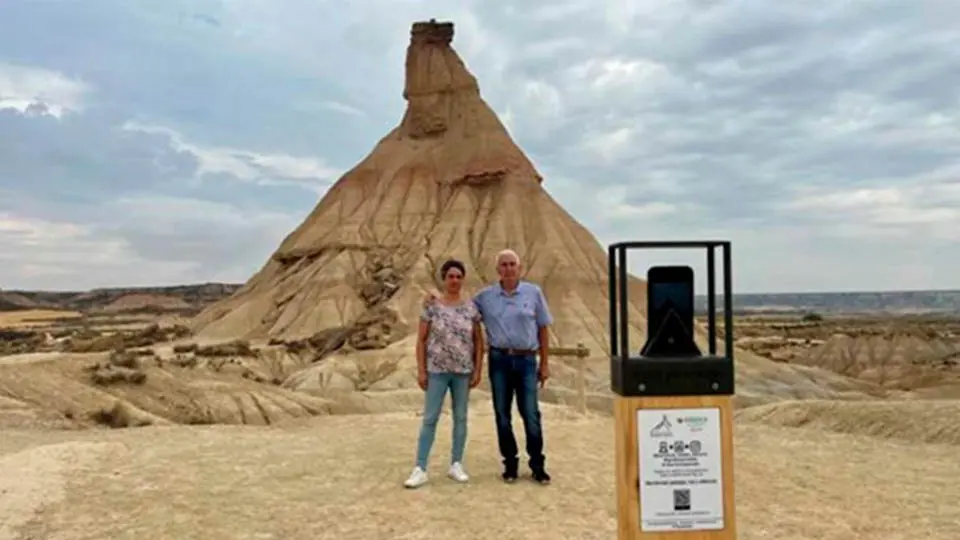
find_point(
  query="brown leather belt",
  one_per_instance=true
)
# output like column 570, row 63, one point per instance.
column 514, row 352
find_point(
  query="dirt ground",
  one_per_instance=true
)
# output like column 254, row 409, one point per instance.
column 820, row 454
column 340, row 477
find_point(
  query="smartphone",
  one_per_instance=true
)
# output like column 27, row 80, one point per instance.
column 670, row 288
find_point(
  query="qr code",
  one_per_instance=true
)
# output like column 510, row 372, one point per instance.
column 681, row 499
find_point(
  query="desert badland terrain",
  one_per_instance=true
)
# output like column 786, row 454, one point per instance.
column 288, row 408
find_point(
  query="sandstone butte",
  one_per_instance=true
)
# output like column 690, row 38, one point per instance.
column 449, row 181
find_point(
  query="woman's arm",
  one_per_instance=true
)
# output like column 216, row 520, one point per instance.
column 422, row 334
column 478, row 351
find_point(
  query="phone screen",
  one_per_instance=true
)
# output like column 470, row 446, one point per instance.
column 670, row 288
column 677, row 293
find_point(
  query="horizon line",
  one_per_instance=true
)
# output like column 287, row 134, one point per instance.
column 240, row 284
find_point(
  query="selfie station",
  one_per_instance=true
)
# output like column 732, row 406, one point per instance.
column 673, row 404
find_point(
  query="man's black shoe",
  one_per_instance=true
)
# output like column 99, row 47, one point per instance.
column 540, row 476
column 509, row 476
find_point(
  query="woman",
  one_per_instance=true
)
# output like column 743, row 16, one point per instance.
column 449, row 357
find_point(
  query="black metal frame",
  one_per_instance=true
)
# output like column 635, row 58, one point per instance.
column 638, row 375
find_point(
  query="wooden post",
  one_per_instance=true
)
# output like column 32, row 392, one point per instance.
column 674, row 454
column 673, row 405
column 582, row 353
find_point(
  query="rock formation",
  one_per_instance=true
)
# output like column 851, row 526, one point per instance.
column 447, row 182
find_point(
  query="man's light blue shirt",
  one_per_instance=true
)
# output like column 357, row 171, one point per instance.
column 512, row 321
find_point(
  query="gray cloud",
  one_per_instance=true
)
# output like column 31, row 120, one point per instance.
column 820, row 136
column 87, row 202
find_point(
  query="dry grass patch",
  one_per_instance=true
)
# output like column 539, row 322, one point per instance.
column 34, row 317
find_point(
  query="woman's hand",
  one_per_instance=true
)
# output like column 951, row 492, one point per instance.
column 422, row 380
column 475, row 378
column 429, row 298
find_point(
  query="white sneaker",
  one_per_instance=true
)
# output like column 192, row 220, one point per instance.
column 457, row 473
column 417, row 478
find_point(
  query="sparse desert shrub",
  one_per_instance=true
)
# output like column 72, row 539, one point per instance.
column 69, row 414
column 252, row 375
column 91, row 341
column 193, row 413
column 812, row 317
column 119, row 416
column 108, row 375
column 233, row 348
column 178, row 331
column 184, row 348
column 20, row 341
column 184, row 361
column 80, row 343
column 125, row 359
column 14, row 335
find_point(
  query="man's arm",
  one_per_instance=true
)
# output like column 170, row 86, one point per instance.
column 543, row 336
column 544, row 320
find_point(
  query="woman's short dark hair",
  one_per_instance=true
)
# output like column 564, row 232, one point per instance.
column 452, row 263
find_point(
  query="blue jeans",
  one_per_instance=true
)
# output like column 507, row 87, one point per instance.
column 437, row 385
column 516, row 375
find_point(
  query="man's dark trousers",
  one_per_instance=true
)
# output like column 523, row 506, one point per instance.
column 516, row 375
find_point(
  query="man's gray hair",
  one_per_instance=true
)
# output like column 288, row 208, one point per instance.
column 507, row 253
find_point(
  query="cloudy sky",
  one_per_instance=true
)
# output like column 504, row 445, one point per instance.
column 179, row 141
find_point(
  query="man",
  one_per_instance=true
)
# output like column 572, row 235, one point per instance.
column 516, row 318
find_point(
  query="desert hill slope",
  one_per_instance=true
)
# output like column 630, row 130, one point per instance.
column 173, row 298
column 447, row 182
column 271, row 385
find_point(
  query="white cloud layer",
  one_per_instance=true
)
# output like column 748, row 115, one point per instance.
column 247, row 165
column 820, row 137
column 28, row 88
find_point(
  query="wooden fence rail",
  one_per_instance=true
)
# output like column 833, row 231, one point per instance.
column 581, row 353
